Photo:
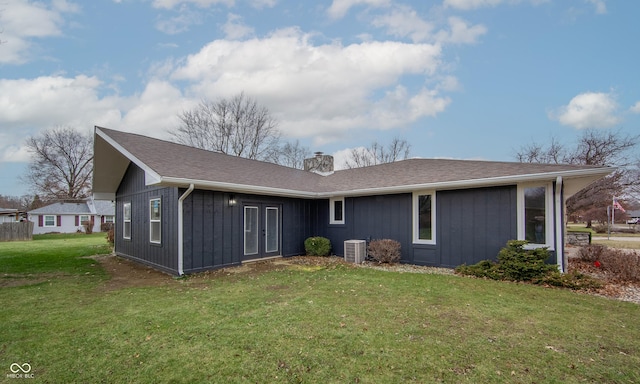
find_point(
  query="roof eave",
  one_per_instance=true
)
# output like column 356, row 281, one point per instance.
column 596, row 173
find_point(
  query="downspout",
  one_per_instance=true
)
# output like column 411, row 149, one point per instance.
column 559, row 205
column 181, row 229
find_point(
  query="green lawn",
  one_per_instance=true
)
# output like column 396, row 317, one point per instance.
column 331, row 324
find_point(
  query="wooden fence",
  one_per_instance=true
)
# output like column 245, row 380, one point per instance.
column 16, row 231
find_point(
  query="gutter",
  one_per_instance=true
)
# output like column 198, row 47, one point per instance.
column 181, row 229
column 559, row 204
column 457, row 184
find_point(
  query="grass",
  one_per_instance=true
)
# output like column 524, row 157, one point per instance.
column 315, row 325
column 55, row 253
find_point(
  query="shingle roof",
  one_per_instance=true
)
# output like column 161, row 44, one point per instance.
column 173, row 162
column 78, row 208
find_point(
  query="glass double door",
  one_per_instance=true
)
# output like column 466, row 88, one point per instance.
column 261, row 231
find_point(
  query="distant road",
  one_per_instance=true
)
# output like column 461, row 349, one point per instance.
column 617, row 238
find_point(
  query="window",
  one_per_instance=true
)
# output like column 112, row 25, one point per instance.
column 126, row 221
column 424, row 214
column 49, row 220
column 108, row 219
column 83, row 218
column 534, row 214
column 336, row 210
column 250, row 230
column 155, row 218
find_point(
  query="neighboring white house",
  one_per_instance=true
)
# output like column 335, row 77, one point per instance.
column 67, row 217
column 8, row 215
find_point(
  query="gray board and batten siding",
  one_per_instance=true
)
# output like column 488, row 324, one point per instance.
column 471, row 224
column 213, row 230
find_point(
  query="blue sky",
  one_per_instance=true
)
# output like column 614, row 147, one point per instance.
column 468, row 79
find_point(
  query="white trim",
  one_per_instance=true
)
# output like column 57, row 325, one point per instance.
column 332, row 210
column 152, row 221
column 151, row 176
column 459, row 184
column 44, row 221
column 181, row 229
column 244, row 230
column 559, row 225
column 266, row 229
column 548, row 214
column 125, row 220
column 416, row 222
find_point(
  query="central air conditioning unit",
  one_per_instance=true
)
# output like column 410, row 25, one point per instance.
column 355, row 251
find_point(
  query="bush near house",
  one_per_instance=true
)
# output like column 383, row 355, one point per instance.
column 618, row 265
column 317, row 246
column 88, row 227
column 385, row 251
column 515, row 263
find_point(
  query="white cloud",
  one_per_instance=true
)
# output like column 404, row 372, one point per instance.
column 600, row 5
column 339, row 8
column 461, row 33
column 235, row 29
column 23, row 21
column 170, row 4
column 318, row 90
column 467, row 5
column 471, row 4
column 589, row 110
column 179, row 23
column 635, row 108
column 405, row 22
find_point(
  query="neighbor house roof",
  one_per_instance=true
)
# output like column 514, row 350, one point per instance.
column 171, row 164
column 84, row 207
column 8, row 211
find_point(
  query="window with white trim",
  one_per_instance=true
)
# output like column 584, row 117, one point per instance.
column 108, row 219
column 49, row 220
column 535, row 214
column 424, row 217
column 336, row 210
column 83, row 218
column 155, row 221
column 126, row 221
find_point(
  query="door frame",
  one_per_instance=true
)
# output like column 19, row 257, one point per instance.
column 260, row 227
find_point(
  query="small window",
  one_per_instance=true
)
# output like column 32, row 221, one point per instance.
column 126, row 221
column 83, row 218
column 155, row 219
column 49, row 221
column 336, row 210
column 534, row 222
column 108, row 219
column 424, row 213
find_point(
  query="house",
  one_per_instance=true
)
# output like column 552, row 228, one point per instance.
column 9, row 215
column 184, row 210
column 67, row 217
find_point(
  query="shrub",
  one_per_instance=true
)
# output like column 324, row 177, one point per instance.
column 591, row 253
column 385, row 251
column 571, row 280
column 88, row 227
column 111, row 236
column 105, row 227
column 317, row 246
column 519, row 264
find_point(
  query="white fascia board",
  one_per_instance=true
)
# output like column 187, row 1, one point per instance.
column 238, row 188
column 475, row 183
column 461, row 184
column 151, row 176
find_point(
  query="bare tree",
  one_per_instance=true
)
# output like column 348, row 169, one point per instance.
column 290, row 155
column 376, row 153
column 603, row 148
column 62, row 163
column 239, row 127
